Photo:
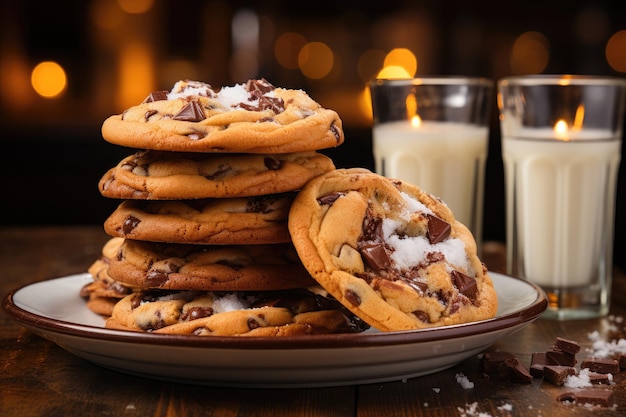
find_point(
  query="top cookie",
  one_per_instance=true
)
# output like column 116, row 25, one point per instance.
column 391, row 253
column 255, row 117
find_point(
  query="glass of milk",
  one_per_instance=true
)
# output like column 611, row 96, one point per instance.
column 561, row 147
column 433, row 132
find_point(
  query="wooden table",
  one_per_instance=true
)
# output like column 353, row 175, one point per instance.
column 37, row 378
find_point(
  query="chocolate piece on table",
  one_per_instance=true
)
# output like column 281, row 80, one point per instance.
column 559, row 357
column 569, row 346
column 557, row 374
column 597, row 378
column 603, row 366
column 492, row 360
column 591, row 396
column 622, row 360
column 536, row 370
column 513, row 370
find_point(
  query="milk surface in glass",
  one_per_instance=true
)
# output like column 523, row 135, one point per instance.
column 563, row 197
column 442, row 158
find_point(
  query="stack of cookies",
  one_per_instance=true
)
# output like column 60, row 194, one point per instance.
column 200, row 241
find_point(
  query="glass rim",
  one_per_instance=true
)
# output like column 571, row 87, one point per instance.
column 561, row 79
column 442, row 80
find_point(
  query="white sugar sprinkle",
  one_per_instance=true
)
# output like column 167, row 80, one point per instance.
column 464, row 381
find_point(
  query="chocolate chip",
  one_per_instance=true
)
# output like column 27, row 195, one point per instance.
column 253, row 323
column 272, row 164
column 335, row 131
column 130, row 224
column 156, row 278
column 149, row 114
column 352, row 297
column 156, row 96
column 438, row 229
column 196, row 313
column 329, row 198
column 603, row 366
column 261, row 86
column 422, row 316
column 192, row 112
column 465, row 284
column 375, row 256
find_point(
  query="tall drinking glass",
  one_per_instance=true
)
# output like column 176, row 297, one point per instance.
column 561, row 146
column 433, row 132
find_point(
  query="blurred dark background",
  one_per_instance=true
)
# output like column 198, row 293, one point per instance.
column 67, row 65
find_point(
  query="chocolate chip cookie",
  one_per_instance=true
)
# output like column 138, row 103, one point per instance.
column 223, row 221
column 208, row 268
column 254, row 117
column 278, row 313
column 391, row 253
column 154, row 175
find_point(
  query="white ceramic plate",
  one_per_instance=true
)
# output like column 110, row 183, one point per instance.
column 54, row 310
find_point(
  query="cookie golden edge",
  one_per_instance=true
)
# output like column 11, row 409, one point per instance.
column 304, row 226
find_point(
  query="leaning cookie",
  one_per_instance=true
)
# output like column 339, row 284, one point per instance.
column 254, row 117
column 279, row 313
column 104, row 292
column 222, row 221
column 208, row 268
column 391, row 253
column 154, row 175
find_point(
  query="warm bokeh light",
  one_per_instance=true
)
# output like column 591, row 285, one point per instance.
column 615, row 47
column 136, row 75
column 48, row 79
column 393, row 72
column 135, row 6
column 316, row 60
column 287, row 47
column 530, row 53
column 106, row 14
column 402, row 57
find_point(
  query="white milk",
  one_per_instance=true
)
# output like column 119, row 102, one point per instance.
column 563, row 194
column 442, row 158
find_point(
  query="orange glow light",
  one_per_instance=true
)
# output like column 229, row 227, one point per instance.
column 48, row 79
column 561, row 130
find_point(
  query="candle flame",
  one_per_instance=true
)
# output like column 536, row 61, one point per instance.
column 560, row 130
column 416, row 121
column 579, row 117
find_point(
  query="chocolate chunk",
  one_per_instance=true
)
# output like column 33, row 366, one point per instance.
column 566, row 345
column 149, row 114
column 557, row 374
column 466, row 285
column 272, row 164
column 536, row 370
column 603, row 366
column 192, row 112
column 622, row 360
column 375, row 256
column 492, row 360
column 253, row 324
column 422, row 316
column 329, row 198
column 196, row 313
column 156, row 278
column 129, row 224
column 513, row 370
column 558, row 357
column 260, row 87
column 597, row 378
column 438, row 229
column 335, row 131
column 590, row 396
column 352, row 297
column 156, row 96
